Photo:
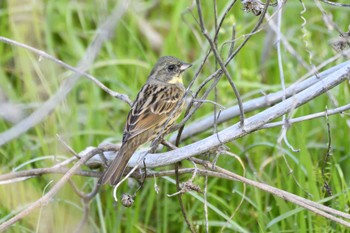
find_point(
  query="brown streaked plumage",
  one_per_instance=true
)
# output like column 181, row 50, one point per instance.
column 155, row 103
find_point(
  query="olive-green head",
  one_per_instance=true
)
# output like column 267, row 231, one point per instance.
column 169, row 70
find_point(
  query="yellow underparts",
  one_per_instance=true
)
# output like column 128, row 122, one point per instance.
column 176, row 79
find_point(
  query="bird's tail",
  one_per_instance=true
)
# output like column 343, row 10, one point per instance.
column 116, row 169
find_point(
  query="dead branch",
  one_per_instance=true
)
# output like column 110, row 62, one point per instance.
column 258, row 103
column 103, row 34
column 252, row 123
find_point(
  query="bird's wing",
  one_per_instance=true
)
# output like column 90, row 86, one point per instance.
column 152, row 107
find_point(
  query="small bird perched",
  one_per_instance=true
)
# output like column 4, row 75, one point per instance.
column 154, row 105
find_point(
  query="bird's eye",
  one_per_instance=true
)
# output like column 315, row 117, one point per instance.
column 171, row 67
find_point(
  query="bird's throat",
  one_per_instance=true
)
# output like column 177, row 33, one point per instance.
column 177, row 79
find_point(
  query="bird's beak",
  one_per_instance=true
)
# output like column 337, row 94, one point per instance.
column 185, row 66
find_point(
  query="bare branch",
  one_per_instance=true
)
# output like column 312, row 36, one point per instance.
column 219, row 60
column 103, row 34
column 179, row 198
column 254, row 104
column 310, row 117
column 336, row 3
column 319, row 209
column 44, row 200
column 77, row 71
column 253, row 123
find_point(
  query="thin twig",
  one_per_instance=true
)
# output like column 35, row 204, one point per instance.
column 222, row 65
column 215, row 103
column 305, row 203
column 188, row 113
column 326, row 158
column 336, row 3
column 327, row 19
column 23, row 175
column 44, row 200
column 285, row 126
column 83, row 221
column 248, row 36
column 10, row 177
column 217, row 74
column 309, row 117
column 179, row 197
column 218, row 27
column 78, row 71
column 205, row 196
column 103, row 34
column 244, row 189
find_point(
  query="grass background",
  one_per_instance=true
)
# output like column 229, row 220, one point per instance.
column 89, row 116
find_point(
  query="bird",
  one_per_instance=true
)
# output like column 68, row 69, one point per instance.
column 157, row 106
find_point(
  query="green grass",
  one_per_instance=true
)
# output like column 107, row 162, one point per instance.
column 89, row 116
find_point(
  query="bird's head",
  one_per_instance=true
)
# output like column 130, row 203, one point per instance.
column 169, row 70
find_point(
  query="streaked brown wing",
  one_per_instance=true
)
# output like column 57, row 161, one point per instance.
column 151, row 108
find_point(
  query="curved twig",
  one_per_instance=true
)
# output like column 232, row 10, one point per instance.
column 103, row 33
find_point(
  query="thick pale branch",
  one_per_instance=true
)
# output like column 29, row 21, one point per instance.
column 252, row 123
column 303, row 92
column 251, row 105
